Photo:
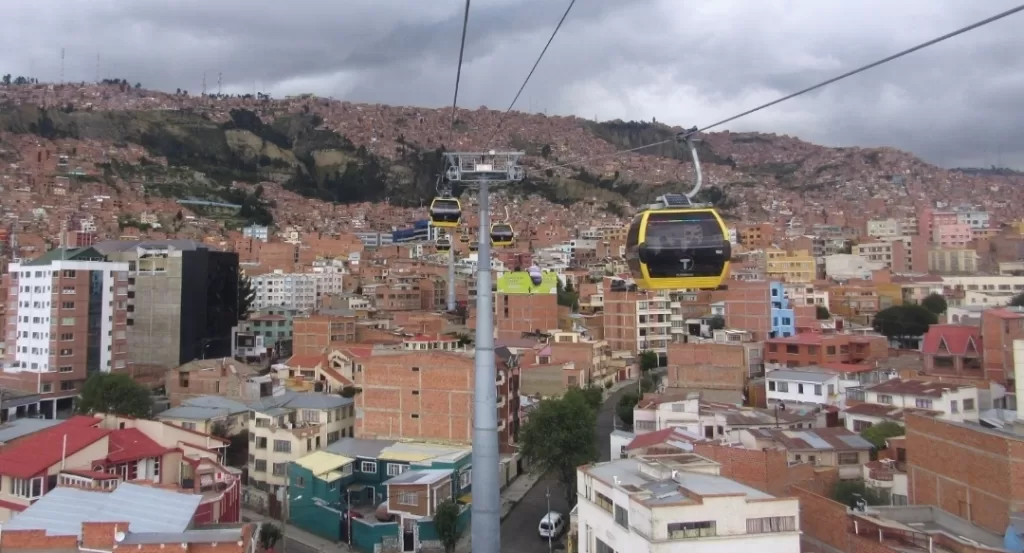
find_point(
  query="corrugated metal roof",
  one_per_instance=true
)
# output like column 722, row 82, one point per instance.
column 800, row 376
column 62, row 511
column 359, row 447
column 323, row 462
column 23, row 427
column 420, row 477
column 815, row 441
column 855, row 441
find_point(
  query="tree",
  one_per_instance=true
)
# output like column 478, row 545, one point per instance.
column 877, row 434
column 935, row 303
column 592, row 395
column 115, row 393
column 846, row 492
column 446, row 523
column 822, row 313
column 7, row 79
column 567, row 295
column 648, row 384
column 903, row 322
column 246, row 296
column 717, row 322
column 560, row 436
column 1017, row 301
column 624, row 409
column 270, row 534
column 545, row 151
column 648, row 360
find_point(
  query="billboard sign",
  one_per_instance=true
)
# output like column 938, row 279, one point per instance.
column 521, row 283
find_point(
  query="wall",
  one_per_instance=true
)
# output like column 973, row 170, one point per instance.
column 428, row 532
column 366, row 534
column 972, row 473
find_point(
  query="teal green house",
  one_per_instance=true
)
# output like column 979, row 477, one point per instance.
column 369, row 492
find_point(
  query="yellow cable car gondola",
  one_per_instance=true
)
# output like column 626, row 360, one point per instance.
column 502, row 235
column 676, row 244
column 473, row 246
column 443, row 244
column 445, row 212
column 464, row 238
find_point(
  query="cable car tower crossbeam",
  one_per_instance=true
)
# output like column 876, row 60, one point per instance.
column 482, row 169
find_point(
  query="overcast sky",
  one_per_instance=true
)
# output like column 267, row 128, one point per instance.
column 685, row 62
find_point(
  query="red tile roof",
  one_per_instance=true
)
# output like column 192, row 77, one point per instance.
column 952, row 340
column 658, row 437
column 130, row 444
column 1004, row 313
column 33, row 454
column 304, row 361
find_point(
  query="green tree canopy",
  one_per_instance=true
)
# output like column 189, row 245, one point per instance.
column 559, row 436
column 567, row 295
column 935, row 303
column 115, row 393
column 270, row 534
column 904, row 322
column 246, row 296
column 446, row 522
column 624, row 409
column 648, row 360
column 717, row 322
column 593, row 396
column 822, row 313
column 878, row 433
column 846, row 492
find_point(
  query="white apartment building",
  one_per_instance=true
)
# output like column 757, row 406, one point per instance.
column 805, row 294
column 65, row 320
column 974, row 218
column 999, row 283
column 805, row 387
column 884, row 228
column 283, row 428
column 713, row 421
column 889, row 400
column 654, row 322
column 679, row 504
column 845, row 266
column 302, row 291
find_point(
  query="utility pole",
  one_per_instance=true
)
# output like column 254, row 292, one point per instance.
column 219, row 82
column 61, row 66
column 204, row 83
column 551, row 523
column 451, row 273
column 481, row 169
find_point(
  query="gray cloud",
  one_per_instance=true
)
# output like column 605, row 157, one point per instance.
column 958, row 103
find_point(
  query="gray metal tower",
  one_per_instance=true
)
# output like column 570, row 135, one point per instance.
column 481, row 169
column 451, row 274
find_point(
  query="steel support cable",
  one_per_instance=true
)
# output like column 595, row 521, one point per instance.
column 861, row 69
column 530, row 74
column 458, row 71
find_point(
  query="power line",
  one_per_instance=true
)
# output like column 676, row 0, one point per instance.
column 458, row 72
column 535, row 64
column 872, row 65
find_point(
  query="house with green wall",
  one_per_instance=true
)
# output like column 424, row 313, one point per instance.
column 344, row 492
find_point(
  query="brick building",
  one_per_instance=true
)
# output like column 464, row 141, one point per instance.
column 515, row 314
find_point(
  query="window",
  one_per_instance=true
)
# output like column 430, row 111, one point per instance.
column 67, row 321
column 886, row 399
column 817, row 389
column 394, row 469
column 766, row 525
column 800, row 388
column 67, row 305
column 783, row 387
column 282, row 446
column 46, row 387
column 465, row 478
column 923, row 403
column 280, row 468
column 27, row 488
column 603, row 501
column 686, row 530
column 188, row 425
column 156, row 468
column 67, row 336
column 621, row 517
column 408, row 499
column 260, row 465
column 309, row 415
column 860, row 426
column 67, row 369
column 849, row 458
column 67, row 385
column 830, row 350
column 968, row 405
column 792, row 349
column 953, row 408
column 602, row 547
column 368, row 466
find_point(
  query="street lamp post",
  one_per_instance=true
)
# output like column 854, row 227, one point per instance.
column 482, row 169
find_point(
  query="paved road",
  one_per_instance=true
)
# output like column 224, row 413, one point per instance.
column 519, row 529
column 293, row 545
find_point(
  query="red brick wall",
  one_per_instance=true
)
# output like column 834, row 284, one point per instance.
column 823, row 519
column 766, row 470
column 973, row 474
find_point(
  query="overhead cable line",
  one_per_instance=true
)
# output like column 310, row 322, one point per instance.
column 458, row 72
column 535, row 64
column 872, row 65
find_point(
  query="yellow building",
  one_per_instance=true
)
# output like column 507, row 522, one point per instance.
column 798, row 266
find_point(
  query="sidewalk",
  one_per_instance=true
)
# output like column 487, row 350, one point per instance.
column 294, row 533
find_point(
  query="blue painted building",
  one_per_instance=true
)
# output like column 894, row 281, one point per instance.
column 370, row 492
column 783, row 321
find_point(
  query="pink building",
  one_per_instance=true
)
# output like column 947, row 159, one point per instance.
column 956, row 235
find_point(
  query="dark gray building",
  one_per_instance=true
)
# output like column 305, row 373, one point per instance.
column 182, row 299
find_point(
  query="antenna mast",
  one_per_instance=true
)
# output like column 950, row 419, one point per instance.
column 61, row 66
column 204, row 83
column 97, row 67
column 219, row 75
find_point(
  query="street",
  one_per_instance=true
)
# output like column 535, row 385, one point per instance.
column 519, row 533
column 295, row 546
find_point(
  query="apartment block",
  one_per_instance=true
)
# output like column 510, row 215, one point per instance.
column 824, row 349
column 182, row 300
column 890, row 400
column 65, row 320
column 679, row 503
column 301, row 291
column 515, row 314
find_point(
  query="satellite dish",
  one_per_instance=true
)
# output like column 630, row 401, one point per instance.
column 119, row 537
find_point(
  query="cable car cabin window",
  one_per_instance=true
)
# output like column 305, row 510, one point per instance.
column 684, row 245
column 501, row 233
column 632, row 246
column 445, row 211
